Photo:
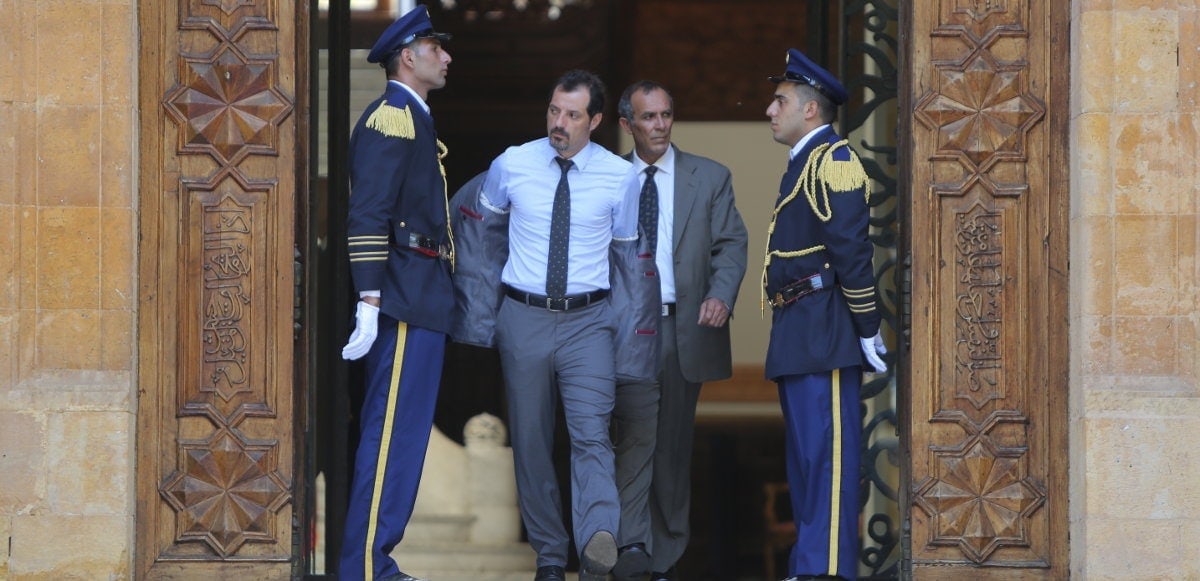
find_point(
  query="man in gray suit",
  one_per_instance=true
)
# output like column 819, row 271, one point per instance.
column 689, row 225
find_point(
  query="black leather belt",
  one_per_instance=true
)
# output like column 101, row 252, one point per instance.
column 566, row 303
column 428, row 246
column 668, row 310
column 794, row 291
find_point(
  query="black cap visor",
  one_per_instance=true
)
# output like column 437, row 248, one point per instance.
column 438, row 36
column 804, row 80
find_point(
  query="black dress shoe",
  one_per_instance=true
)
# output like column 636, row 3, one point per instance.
column 551, row 573
column 669, row 575
column 632, row 562
column 401, row 576
column 599, row 556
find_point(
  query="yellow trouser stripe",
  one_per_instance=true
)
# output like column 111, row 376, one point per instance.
column 384, row 443
column 835, row 504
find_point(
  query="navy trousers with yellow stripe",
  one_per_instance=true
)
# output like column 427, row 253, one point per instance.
column 823, row 422
column 403, row 369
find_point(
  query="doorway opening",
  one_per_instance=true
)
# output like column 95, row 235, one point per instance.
column 495, row 97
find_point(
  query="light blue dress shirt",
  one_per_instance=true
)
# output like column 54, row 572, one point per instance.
column 604, row 198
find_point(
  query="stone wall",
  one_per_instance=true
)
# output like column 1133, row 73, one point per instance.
column 67, row 288
column 1135, row 309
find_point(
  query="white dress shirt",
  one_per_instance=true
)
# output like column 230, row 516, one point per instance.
column 803, row 140
column 664, row 179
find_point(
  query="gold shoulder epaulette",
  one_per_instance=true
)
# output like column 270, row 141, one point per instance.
column 823, row 175
column 842, row 175
column 393, row 121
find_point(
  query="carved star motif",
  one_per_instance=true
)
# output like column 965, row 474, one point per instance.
column 228, row 6
column 980, row 111
column 226, row 492
column 979, row 501
column 228, row 19
column 227, row 107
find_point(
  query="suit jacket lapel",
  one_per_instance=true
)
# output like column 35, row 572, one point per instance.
column 685, row 195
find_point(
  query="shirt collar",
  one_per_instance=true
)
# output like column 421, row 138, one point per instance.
column 804, row 141
column 580, row 159
column 665, row 163
column 414, row 94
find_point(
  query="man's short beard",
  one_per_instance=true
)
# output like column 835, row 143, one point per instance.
column 560, row 145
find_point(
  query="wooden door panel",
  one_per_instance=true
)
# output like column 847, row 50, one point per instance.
column 218, row 194
column 987, row 430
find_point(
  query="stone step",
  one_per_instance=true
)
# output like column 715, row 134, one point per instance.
column 450, row 575
column 424, row 558
column 454, row 530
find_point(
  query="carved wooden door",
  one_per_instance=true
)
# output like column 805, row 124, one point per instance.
column 220, row 156
column 987, row 116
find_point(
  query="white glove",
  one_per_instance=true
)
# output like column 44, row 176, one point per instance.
column 366, row 326
column 873, row 348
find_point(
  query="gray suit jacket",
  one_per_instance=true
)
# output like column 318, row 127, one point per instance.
column 709, row 251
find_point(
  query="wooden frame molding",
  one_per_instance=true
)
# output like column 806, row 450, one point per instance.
column 986, row 414
column 218, row 193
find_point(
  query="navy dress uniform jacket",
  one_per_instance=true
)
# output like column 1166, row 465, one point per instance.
column 478, row 292
column 820, row 226
column 397, row 190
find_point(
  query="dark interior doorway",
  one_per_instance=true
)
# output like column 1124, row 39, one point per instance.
column 495, row 97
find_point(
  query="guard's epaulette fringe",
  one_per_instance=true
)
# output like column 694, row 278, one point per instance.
column 393, row 121
column 823, row 175
column 842, row 176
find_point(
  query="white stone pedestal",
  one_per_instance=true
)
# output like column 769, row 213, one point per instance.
column 465, row 524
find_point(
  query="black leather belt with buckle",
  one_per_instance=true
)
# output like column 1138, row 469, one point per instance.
column 428, row 246
column 668, row 310
column 556, row 304
column 795, row 290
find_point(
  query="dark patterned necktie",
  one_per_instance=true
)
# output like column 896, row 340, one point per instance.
column 648, row 208
column 560, row 235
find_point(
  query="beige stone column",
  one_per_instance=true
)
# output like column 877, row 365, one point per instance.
column 1135, row 309
column 67, row 236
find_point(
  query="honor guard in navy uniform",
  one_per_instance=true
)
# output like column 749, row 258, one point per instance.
column 401, row 256
column 818, row 280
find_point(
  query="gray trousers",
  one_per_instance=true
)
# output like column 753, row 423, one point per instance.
column 653, row 433
column 547, row 357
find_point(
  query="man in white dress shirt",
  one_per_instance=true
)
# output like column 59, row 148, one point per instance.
column 555, row 329
column 697, row 241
